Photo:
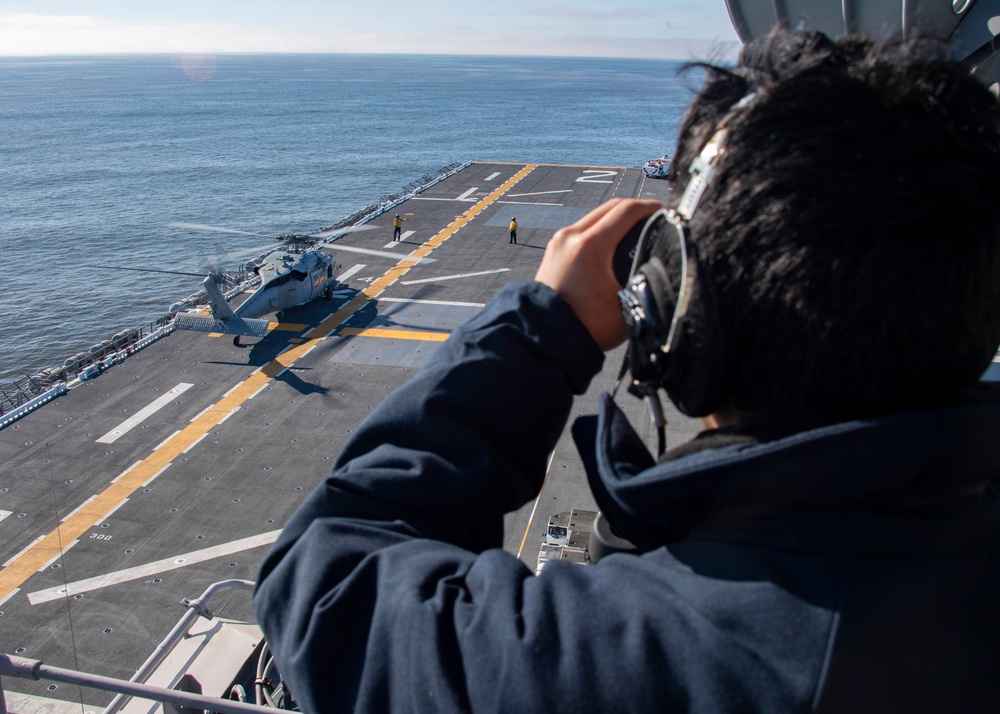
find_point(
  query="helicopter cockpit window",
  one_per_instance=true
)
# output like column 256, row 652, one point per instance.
column 277, row 282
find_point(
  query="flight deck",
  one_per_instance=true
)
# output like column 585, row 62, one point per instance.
column 178, row 467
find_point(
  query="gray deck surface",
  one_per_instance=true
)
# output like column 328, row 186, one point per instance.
column 189, row 497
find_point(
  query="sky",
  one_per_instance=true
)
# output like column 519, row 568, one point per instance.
column 672, row 29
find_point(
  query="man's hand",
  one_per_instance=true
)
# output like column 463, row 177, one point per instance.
column 577, row 265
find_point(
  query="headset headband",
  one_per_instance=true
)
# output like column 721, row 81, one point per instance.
column 704, row 165
column 702, row 172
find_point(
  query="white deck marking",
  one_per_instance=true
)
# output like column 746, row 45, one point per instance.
column 533, row 203
column 24, row 550
column 492, row 176
column 402, row 236
column 539, row 193
column 310, row 330
column 160, row 566
column 465, row 196
column 597, row 176
column 4, row 514
column 195, row 442
column 143, row 414
column 450, row 303
column 440, row 198
column 126, row 471
column 202, row 413
column 77, row 509
column 154, row 476
column 235, row 387
column 162, row 444
column 353, row 270
column 453, row 277
column 108, row 515
column 57, row 556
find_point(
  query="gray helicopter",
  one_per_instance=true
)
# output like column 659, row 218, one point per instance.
column 293, row 275
column 288, row 279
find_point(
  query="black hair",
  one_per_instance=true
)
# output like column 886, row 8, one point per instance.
column 853, row 227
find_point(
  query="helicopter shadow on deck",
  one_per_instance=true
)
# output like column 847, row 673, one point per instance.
column 290, row 378
column 263, row 351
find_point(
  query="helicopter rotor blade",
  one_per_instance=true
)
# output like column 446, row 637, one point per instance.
column 241, row 254
column 321, row 234
column 142, row 270
column 378, row 253
column 216, row 229
column 341, row 231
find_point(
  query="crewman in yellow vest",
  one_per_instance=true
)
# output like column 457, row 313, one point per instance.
column 397, row 226
column 513, row 231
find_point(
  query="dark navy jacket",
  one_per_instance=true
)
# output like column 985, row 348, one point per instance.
column 850, row 568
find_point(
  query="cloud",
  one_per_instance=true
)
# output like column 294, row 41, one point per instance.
column 25, row 34
column 564, row 13
column 30, row 34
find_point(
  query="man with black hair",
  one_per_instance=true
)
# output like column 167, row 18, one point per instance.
column 830, row 542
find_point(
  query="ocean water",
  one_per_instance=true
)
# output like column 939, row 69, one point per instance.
column 98, row 155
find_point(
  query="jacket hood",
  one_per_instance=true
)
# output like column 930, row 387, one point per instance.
column 888, row 466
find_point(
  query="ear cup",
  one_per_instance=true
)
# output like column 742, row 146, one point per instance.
column 697, row 379
column 647, row 332
column 663, row 296
column 693, row 369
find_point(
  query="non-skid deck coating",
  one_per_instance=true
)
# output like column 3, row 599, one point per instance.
column 177, row 468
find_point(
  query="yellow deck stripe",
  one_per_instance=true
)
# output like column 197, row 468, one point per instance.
column 560, row 166
column 48, row 548
column 280, row 326
column 397, row 334
column 287, row 326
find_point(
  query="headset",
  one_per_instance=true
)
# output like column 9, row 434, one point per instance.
column 676, row 340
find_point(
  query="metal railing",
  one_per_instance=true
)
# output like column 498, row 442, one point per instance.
column 24, row 668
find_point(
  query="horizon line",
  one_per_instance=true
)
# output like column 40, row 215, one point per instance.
column 314, row 53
